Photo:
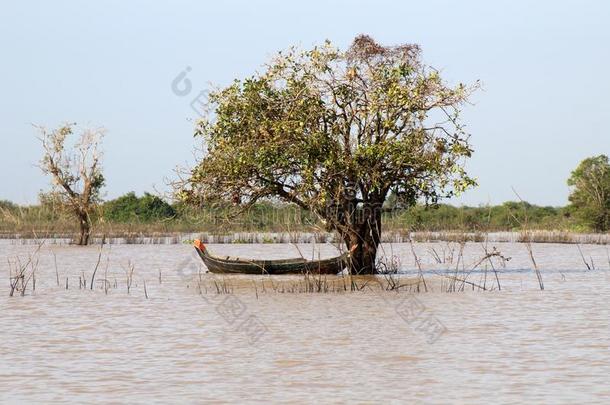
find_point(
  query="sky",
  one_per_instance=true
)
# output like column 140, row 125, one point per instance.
column 544, row 67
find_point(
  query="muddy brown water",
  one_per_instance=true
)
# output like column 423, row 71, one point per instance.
column 516, row 345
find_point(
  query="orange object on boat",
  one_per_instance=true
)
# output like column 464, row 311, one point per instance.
column 199, row 245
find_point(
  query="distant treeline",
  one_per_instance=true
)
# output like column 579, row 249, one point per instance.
column 151, row 214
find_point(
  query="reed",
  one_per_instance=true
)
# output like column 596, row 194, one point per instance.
column 21, row 273
column 129, row 269
column 489, row 264
column 459, row 276
column 318, row 237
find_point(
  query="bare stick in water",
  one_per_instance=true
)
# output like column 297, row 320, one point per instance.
column 99, row 257
column 583, row 257
column 56, row 272
column 528, row 245
column 421, row 273
column 528, row 241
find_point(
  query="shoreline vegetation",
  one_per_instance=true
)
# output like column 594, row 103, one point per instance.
column 150, row 220
column 536, row 236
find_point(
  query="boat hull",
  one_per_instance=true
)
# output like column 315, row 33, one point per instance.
column 229, row 265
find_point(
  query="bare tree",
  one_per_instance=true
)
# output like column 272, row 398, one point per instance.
column 75, row 171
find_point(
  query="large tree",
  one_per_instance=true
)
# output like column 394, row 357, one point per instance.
column 335, row 132
column 590, row 196
column 75, row 171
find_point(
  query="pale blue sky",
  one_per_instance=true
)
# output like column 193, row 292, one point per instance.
column 544, row 66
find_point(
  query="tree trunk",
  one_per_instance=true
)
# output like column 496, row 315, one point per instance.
column 362, row 258
column 85, row 229
column 363, row 242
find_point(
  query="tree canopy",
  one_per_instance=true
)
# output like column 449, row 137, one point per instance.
column 334, row 132
column 590, row 196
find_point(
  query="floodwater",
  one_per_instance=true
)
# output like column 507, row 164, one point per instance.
column 177, row 343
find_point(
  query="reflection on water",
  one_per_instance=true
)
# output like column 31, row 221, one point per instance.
column 179, row 346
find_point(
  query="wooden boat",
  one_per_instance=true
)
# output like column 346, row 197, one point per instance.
column 236, row 265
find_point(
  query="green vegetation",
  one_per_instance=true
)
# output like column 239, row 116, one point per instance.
column 322, row 140
column 132, row 209
column 335, row 132
column 151, row 215
column 7, row 205
column 510, row 216
column 590, row 197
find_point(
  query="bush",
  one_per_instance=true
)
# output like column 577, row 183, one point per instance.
column 131, row 208
column 7, row 205
column 506, row 217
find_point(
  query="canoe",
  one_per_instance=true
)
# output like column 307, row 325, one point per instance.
column 216, row 264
